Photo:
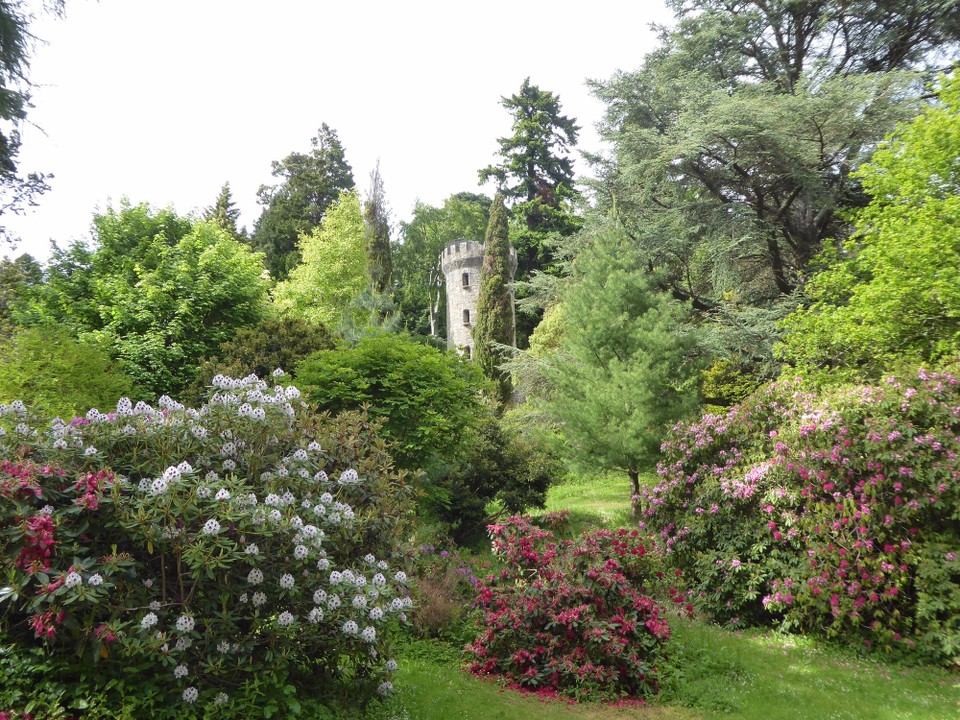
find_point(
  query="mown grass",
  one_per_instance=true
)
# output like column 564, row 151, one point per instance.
column 712, row 673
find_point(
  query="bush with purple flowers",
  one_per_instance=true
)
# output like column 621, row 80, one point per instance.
column 203, row 546
column 838, row 515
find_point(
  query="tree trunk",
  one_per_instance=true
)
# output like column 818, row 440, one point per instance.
column 634, row 476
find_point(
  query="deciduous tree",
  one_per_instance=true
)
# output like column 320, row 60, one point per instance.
column 333, row 271
column 890, row 294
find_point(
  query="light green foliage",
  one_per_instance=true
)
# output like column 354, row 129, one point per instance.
column 160, row 291
column 309, row 184
column 891, row 294
column 421, row 300
column 62, row 377
column 495, row 320
column 333, row 271
column 428, row 399
column 623, row 372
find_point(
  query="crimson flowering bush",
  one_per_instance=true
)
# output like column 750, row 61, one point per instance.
column 571, row 618
column 207, row 547
column 850, row 504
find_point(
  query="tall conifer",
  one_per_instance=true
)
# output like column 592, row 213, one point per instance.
column 495, row 318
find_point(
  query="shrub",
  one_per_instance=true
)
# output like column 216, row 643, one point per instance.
column 707, row 510
column 425, row 397
column 236, row 555
column 61, row 375
column 260, row 350
column 847, row 510
column 571, row 618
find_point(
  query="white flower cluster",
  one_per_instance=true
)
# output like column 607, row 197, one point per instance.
column 185, row 623
column 211, row 527
column 72, row 580
column 287, row 581
column 285, row 618
column 255, row 576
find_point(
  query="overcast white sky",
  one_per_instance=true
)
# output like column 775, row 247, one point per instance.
column 164, row 100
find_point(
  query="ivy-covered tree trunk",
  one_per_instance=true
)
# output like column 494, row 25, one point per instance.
column 495, row 315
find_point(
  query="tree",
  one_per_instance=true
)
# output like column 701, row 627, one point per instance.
column 47, row 368
column 889, row 295
column 16, row 277
column 624, row 371
column 309, row 184
column 16, row 190
column 421, row 301
column 333, row 271
column 159, row 290
column 376, row 217
column 535, row 167
column 225, row 213
column 735, row 144
column 495, row 318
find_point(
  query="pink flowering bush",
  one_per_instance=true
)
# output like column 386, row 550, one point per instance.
column 209, row 548
column 572, row 618
column 848, row 509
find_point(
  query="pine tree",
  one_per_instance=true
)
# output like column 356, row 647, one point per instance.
column 377, row 222
column 623, row 372
column 495, row 322
column 225, row 213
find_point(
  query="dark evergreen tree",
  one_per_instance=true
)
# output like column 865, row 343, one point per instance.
column 309, row 184
column 536, row 172
column 495, row 323
column 16, row 41
column 535, row 168
column 376, row 220
column 225, row 213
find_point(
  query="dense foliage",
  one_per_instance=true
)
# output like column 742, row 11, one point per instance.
column 836, row 513
column 427, row 399
column 270, row 345
column 63, row 377
column 889, row 296
column 333, row 269
column 239, row 555
column 309, row 183
column 571, row 618
column 160, row 290
column 495, row 322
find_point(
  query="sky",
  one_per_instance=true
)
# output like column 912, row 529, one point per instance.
column 162, row 101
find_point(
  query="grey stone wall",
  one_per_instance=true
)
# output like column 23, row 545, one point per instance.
column 460, row 263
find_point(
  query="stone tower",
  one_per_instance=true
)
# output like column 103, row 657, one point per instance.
column 460, row 262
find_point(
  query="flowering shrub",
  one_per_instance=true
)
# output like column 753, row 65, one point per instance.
column 571, row 618
column 205, row 546
column 848, row 509
column 708, row 512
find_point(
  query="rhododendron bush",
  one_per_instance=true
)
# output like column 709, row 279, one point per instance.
column 205, row 546
column 839, row 515
column 572, row 617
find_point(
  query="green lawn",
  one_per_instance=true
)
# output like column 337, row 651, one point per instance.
column 713, row 673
